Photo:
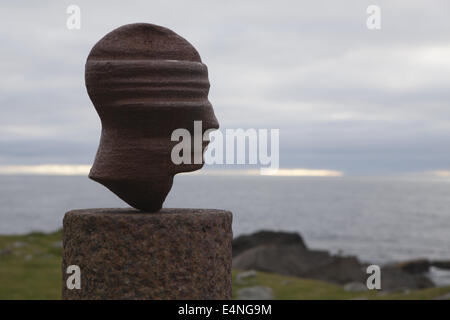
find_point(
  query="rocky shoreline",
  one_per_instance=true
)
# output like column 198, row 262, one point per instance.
column 287, row 254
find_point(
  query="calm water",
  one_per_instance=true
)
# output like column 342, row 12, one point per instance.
column 377, row 219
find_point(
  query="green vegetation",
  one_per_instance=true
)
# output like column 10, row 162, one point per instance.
column 291, row 288
column 30, row 268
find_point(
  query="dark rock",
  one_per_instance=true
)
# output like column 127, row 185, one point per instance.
column 145, row 81
column 339, row 270
column 264, row 237
column 296, row 260
column 415, row 266
column 287, row 254
column 394, row 278
column 285, row 260
column 441, row 264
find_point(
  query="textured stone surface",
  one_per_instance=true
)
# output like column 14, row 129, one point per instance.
column 145, row 81
column 126, row 254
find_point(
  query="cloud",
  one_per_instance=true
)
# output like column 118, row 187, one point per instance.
column 48, row 169
column 83, row 170
column 345, row 98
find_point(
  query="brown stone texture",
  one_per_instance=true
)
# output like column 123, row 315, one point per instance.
column 145, row 81
column 126, row 254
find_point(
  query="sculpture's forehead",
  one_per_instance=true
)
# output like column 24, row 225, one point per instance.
column 143, row 41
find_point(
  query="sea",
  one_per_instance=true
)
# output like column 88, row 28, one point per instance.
column 378, row 219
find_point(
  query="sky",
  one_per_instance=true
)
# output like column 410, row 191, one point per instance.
column 344, row 97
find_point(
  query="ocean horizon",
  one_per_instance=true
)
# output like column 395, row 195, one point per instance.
column 377, row 219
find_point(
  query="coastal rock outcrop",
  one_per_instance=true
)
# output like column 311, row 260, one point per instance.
column 286, row 253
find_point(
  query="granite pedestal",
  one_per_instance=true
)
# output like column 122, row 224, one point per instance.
column 128, row 254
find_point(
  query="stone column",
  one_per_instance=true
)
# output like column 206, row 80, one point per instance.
column 129, row 254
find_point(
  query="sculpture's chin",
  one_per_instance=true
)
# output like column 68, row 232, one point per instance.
column 146, row 196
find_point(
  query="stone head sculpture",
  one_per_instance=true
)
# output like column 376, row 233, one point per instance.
column 145, row 81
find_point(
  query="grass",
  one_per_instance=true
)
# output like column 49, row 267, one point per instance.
column 291, row 288
column 30, row 268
